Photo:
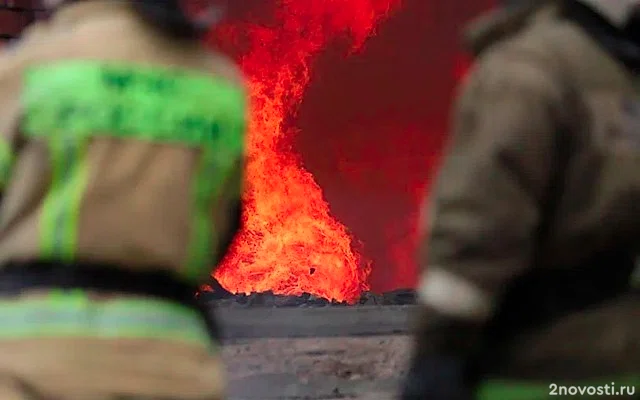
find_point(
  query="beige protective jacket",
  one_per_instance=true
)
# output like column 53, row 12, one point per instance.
column 128, row 197
column 117, row 145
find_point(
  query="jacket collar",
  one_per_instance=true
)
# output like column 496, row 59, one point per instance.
column 73, row 12
column 617, row 12
column 502, row 22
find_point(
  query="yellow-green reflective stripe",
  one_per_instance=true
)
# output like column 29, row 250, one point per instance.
column 6, row 161
column 74, row 315
column 81, row 99
column 514, row 390
column 213, row 169
column 61, row 207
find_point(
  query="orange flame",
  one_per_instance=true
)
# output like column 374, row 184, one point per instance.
column 290, row 243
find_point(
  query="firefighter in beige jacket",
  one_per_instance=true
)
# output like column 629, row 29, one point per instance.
column 121, row 160
column 534, row 220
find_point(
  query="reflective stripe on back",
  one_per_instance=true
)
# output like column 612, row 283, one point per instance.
column 73, row 314
column 70, row 102
column 61, row 207
column 6, row 162
column 82, row 99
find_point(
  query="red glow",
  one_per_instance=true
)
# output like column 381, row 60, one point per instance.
column 291, row 243
column 462, row 65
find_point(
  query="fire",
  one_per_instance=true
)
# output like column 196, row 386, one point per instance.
column 290, row 243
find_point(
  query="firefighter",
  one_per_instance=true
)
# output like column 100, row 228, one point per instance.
column 534, row 219
column 121, row 159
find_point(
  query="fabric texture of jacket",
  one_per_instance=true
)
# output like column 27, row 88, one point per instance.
column 540, row 180
column 122, row 146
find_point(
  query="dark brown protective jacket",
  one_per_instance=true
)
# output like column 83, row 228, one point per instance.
column 542, row 174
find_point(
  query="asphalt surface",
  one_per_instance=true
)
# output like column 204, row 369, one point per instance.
column 364, row 368
column 316, row 353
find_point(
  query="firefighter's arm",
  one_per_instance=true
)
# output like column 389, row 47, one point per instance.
column 484, row 207
column 233, row 205
column 486, row 202
column 229, row 219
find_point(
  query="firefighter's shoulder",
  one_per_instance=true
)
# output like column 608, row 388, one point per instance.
column 524, row 61
column 225, row 67
column 19, row 47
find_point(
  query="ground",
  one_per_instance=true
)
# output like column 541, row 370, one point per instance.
column 364, row 368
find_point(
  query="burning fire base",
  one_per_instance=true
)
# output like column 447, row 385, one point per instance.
column 223, row 298
column 268, row 315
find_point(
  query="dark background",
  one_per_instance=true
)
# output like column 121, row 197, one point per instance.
column 372, row 126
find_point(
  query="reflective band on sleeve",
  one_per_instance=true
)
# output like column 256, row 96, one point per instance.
column 70, row 102
column 73, row 314
column 6, row 162
column 453, row 296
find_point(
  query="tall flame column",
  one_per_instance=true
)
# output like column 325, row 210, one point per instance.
column 290, row 243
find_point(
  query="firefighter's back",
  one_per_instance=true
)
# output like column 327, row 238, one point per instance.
column 117, row 120
column 127, row 151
